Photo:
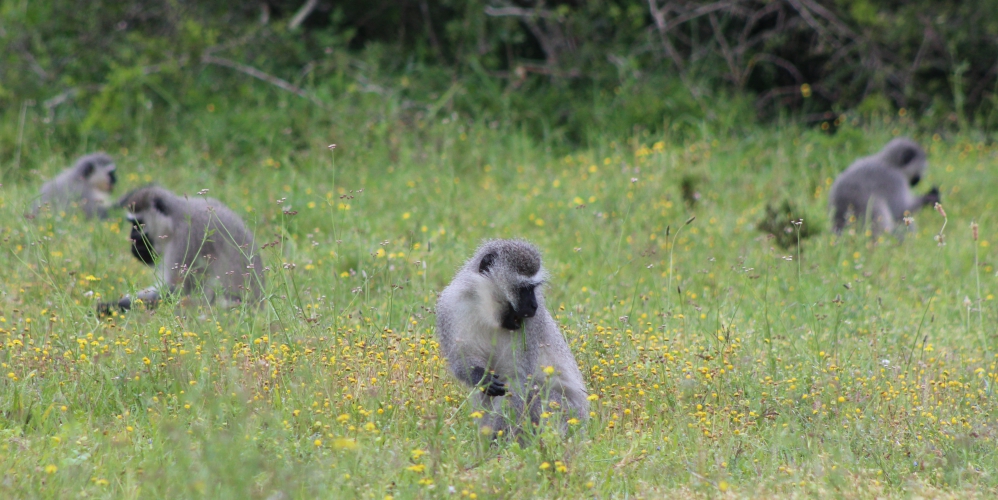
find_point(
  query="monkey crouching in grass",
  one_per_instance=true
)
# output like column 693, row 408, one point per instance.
column 499, row 338
column 878, row 187
column 87, row 186
column 197, row 245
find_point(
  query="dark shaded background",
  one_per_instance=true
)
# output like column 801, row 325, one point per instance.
column 561, row 68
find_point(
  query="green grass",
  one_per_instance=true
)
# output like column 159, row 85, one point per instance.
column 852, row 368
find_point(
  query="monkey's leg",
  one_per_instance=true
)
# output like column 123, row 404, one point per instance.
column 493, row 420
column 839, row 218
column 559, row 404
column 519, row 413
column 881, row 218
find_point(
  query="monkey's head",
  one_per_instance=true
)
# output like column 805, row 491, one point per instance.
column 97, row 170
column 906, row 155
column 512, row 270
column 150, row 211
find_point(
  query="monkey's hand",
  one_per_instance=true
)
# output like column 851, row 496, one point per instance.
column 488, row 382
column 105, row 308
column 933, row 197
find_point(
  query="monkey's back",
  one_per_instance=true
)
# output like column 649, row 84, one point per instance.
column 216, row 233
column 65, row 189
column 552, row 350
column 864, row 180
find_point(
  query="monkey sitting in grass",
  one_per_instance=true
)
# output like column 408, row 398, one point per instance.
column 87, row 185
column 499, row 339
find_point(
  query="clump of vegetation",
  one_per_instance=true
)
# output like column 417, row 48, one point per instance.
column 785, row 222
column 688, row 186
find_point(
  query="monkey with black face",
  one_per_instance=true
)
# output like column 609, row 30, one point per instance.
column 498, row 336
column 194, row 244
column 879, row 187
column 86, row 185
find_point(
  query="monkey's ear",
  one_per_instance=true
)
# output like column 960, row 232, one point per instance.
column 487, row 261
column 160, row 205
column 88, row 170
column 907, row 155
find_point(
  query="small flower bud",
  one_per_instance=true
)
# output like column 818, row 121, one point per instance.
column 939, row 208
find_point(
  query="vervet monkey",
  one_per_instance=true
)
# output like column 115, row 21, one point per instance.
column 498, row 337
column 879, row 187
column 86, row 185
column 195, row 244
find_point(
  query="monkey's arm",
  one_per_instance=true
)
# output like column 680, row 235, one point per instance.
column 92, row 207
column 881, row 218
column 150, row 297
column 472, row 371
column 928, row 199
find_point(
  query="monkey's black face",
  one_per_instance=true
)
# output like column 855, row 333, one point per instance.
column 526, row 307
column 915, row 180
column 141, row 246
column 112, row 179
column 527, row 302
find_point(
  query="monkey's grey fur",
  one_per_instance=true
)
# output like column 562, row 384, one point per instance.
column 87, row 184
column 498, row 337
column 878, row 186
column 196, row 244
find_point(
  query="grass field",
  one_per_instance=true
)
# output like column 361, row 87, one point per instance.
column 722, row 365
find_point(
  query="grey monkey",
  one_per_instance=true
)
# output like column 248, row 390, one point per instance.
column 879, row 186
column 194, row 244
column 87, row 184
column 498, row 336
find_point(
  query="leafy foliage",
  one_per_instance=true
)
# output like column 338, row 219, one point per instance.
column 786, row 224
column 566, row 70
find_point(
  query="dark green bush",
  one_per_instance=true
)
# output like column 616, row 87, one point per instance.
column 564, row 70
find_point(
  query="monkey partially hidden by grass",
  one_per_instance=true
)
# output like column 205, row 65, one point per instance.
column 878, row 187
column 195, row 244
column 499, row 338
column 87, row 185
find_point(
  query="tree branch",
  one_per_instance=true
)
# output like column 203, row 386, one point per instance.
column 510, row 11
column 260, row 75
column 302, row 14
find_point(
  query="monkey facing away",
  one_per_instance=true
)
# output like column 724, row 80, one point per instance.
column 879, row 187
column 87, row 185
column 498, row 337
column 195, row 244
